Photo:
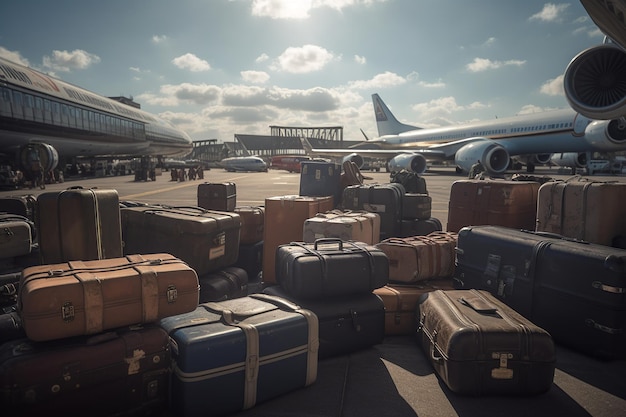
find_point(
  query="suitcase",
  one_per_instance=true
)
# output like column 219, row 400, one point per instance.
column 419, row 227
column 480, row 346
column 23, row 205
column 416, row 206
column 330, row 267
column 81, row 298
column 78, row 224
column 17, row 235
column 346, row 324
column 225, row 284
column 496, row 202
column 10, row 325
column 250, row 259
column 360, row 225
column 217, row 196
column 401, row 301
column 384, row 199
column 574, row 289
column 418, row 258
column 207, row 240
column 319, row 178
column 284, row 221
column 584, row 210
column 252, row 220
column 260, row 347
column 119, row 371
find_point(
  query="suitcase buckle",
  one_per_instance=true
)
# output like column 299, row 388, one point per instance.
column 502, row 372
column 172, row 294
column 67, row 311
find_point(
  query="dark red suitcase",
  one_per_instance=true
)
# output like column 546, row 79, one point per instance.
column 225, row 284
column 107, row 373
column 330, row 267
column 217, row 196
column 480, row 346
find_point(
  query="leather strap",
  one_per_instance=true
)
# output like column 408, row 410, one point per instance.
column 92, row 296
column 149, row 288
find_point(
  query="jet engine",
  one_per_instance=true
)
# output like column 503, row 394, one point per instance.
column 45, row 156
column 412, row 162
column 354, row 157
column 570, row 159
column 595, row 82
column 491, row 155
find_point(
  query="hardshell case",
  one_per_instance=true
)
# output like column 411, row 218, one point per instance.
column 225, row 284
column 78, row 224
column 575, row 290
column 480, row 346
column 23, row 205
column 121, row 371
column 16, row 235
column 346, row 323
column 252, row 221
column 584, row 210
column 383, row 199
column 416, row 206
column 217, row 196
column 330, row 267
column 260, row 347
column 417, row 258
column 284, row 220
column 496, row 202
column 81, row 298
column 359, row 225
column 319, row 178
column 419, row 227
column 401, row 301
column 207, row 240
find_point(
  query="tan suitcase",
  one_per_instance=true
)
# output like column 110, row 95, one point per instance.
column 494, row 202
column 417, row 258
column 584, row 210
column 359, row 225
column 252, row 220
column 401, row 303
column 284, row 220
column 87, row 297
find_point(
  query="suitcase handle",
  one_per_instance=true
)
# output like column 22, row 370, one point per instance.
column 480, row 306
column 328, row 240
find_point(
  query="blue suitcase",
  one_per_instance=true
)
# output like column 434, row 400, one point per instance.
column 319, row 179
column 230, row 355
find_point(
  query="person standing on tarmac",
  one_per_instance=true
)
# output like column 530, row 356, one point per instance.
column 475, row 170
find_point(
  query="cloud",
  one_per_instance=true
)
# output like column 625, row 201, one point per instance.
column 191, row 62
column 14, row 56
column 483, row 64
column 307, row 58
column 553, row 87
column 531, row 108
column 300, row 9
column 255, row 77
column 386, row 79
column 443, row 107
column 159, row 39
column 489, row 42
column 550, row 13
column 67, row 61
column 360, row 59
column 262, row 58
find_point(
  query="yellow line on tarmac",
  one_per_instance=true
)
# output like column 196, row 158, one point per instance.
column 176, row 187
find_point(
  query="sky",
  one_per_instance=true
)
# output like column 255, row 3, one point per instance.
column 216, row 68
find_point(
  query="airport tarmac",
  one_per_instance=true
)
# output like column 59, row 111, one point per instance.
column 393, row 378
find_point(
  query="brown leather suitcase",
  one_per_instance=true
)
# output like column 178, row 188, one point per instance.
column 480, row 346
column 585, row 210
column 217, row 196
column 125, row 371
column 358, row 225
column 87, row 297
column 252, row 221
column 417, row 258
column 401, row 301
column 78, row 223
column 284, row 221
column 496, row 202
column 206, row 239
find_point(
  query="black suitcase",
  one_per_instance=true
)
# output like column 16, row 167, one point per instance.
column 24, row 205
column 480, row 346
column 319, row 178
column 217, row 196
column 384, row 199
column 330, row 267
column 225, row 284
column 574, row 289
column 10, row 324
column 250, row 258
column 346, row 324
column 419, row 227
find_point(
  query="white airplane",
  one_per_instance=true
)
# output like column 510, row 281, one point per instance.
column 47, row 117
column 528, row 139
column 243, row 163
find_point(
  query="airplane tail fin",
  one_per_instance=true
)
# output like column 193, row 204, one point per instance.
column 385, row 120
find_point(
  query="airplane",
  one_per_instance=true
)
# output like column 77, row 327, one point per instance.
column 498, row 144
column 43, row 118
column 243, row 163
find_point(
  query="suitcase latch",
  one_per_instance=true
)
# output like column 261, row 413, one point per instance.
column 67, row 311
column 502, row 372
column 172, row 294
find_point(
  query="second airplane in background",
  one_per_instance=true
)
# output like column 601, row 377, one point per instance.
column 498, row 144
